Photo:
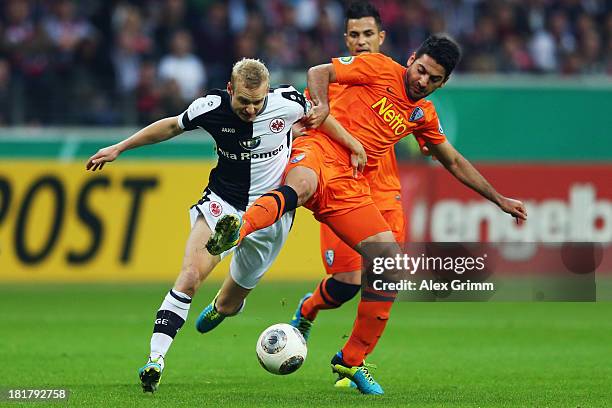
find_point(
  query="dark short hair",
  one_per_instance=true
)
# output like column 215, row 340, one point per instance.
column 361, row 9
column 443, row 49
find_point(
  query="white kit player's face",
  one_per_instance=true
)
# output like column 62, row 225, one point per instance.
column 362, row 35
column 247, row 103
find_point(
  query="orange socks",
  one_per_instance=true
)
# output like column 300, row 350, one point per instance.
column 268, row 209
column 372, row 317
column 330, row 294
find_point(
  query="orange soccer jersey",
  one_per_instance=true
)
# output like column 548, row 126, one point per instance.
column 375, row 109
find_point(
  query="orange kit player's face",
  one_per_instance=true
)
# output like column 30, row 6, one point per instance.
column 362, row 35
column 247, row 103
column 423, row 76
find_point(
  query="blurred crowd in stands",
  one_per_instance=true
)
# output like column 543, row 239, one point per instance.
column 126, row 62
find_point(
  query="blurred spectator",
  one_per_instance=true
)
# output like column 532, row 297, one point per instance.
column 148, row 94
column 30, row 52
column 173, row 15
column 183, row 67
column 66, row 31
column 132, row 43
column 515, row 56
column 214, row 42
column 5, row 96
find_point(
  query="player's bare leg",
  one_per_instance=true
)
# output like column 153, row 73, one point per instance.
column 229, row 301
column 300, row 185
column 197, row 265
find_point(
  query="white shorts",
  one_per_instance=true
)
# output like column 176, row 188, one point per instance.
column 257, row 251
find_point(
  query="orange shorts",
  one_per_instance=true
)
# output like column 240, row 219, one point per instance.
column 341, row 201
column 338, row 257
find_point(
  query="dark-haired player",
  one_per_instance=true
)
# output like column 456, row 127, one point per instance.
column 363, row 34
column 383, row 102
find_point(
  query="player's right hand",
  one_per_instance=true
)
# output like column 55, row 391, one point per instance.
column 359, row 159
column 316, row 115
column 107, row 154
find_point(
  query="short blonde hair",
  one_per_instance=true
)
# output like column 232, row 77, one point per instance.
column 250, row 72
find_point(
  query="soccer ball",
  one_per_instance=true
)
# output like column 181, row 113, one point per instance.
column 281, row 349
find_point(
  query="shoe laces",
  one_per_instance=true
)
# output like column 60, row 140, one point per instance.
column 212, row 314
column 365, row 369
column 304, row 325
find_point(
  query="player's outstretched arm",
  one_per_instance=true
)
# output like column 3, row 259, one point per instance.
column 463, row 170
column 337, row 132
column 156, row 132
column 319, row 77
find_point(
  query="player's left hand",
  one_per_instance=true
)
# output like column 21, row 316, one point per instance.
column 316, row 115
column 298, row 129
column 513, row 207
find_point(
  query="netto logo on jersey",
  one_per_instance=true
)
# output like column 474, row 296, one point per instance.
column 250, row 144
column 394, row 119
column 250, row 155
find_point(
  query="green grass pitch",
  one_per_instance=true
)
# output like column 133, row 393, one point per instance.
column 92, row 339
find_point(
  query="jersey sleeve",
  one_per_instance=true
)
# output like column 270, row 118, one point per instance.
column 195, row 115
column 360, row 69
column 431, row 131
column 301, row 104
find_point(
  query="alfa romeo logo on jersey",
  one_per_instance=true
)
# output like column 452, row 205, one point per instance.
column 346, row 60
column 417, row 114
column 329, row 257
column 277, row 125
column 215, row 208
column 250, row 144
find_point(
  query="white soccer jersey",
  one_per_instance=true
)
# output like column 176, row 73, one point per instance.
column 252, row 155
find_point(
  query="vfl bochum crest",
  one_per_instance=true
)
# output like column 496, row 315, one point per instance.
column 417, row 114
column 329, row 257
column 250, row 144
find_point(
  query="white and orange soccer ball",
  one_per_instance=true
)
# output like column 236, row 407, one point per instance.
column 281, row 349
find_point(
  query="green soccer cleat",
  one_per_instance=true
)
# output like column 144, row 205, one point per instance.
column 360, row 375
column 150, row 375
column 344, row 382
column 299, row 321
column 211, row 318
column 226, row 235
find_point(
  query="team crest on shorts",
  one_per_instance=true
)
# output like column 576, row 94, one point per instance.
column 215, row 208
column 298, row 158
column 329, row 257
column 277, row 125
column 417, row 114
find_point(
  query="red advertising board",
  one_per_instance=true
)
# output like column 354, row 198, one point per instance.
column 565, row 203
